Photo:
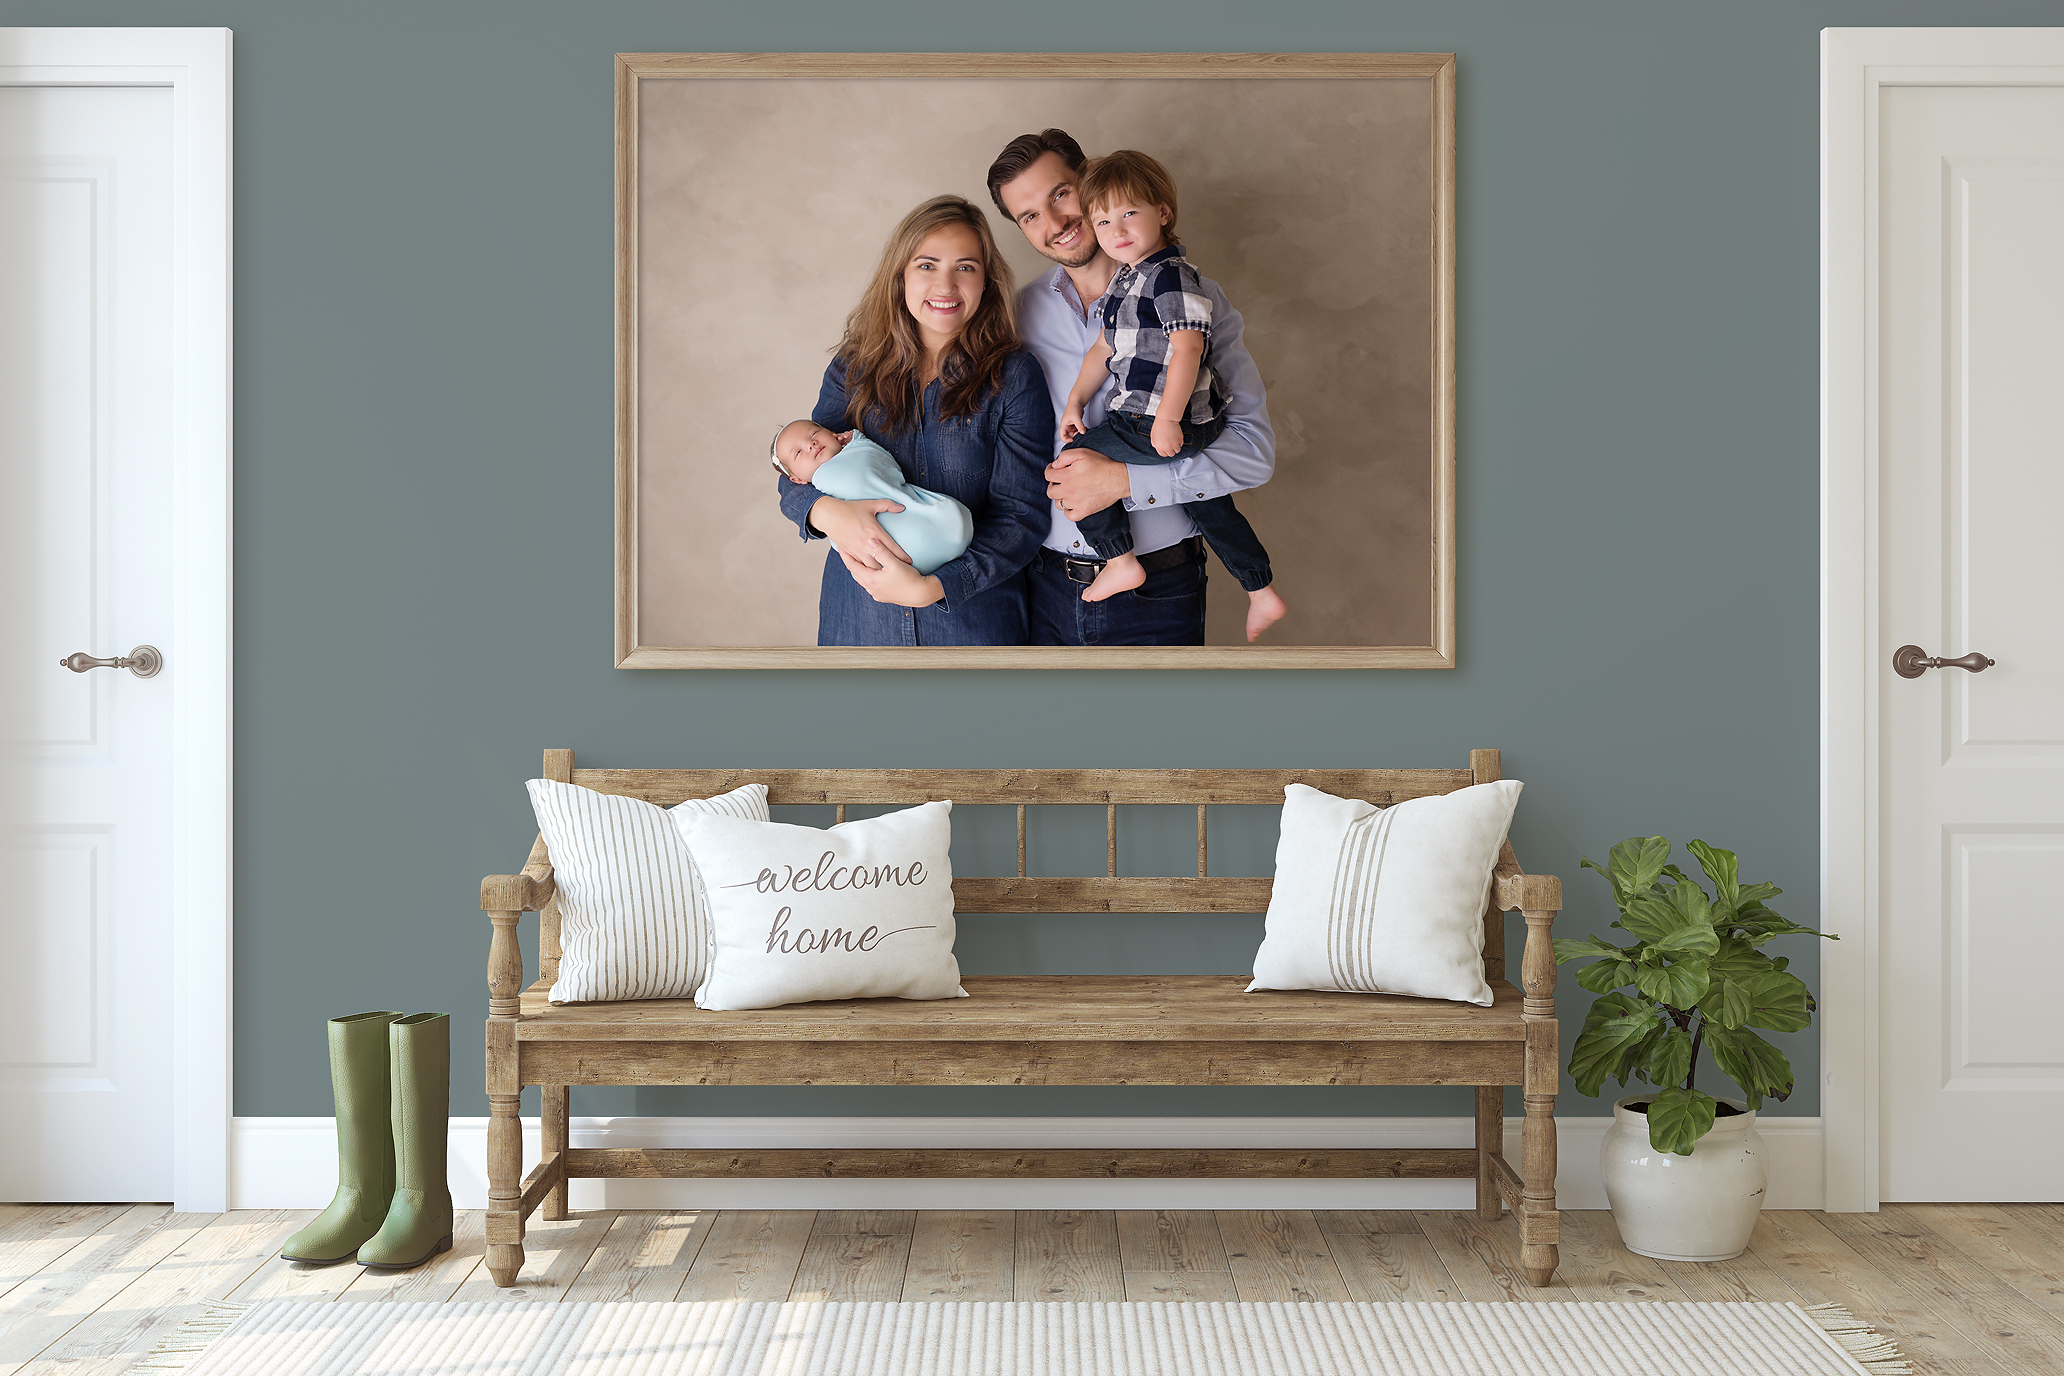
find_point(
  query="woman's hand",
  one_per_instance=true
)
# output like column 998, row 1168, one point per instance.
column 892, row 579
column 855, row 527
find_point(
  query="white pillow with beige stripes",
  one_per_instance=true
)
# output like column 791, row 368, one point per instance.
column 1371, row 900
column 633, row 922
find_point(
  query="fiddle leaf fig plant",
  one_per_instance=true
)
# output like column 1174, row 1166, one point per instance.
column 1694, row 979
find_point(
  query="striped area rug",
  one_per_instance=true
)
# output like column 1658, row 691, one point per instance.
column 297, row 1338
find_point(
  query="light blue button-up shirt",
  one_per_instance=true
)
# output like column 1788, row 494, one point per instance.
column 1059, row 330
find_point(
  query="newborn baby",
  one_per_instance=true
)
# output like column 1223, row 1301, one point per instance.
column 932, row 528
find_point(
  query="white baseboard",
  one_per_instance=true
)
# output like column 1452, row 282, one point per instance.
column 291, row 1163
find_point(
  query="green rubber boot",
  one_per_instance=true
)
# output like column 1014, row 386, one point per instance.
column 419, row 1221
column 365, row 1144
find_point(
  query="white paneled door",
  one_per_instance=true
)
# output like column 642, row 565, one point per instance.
column 86, row 496
column 1971, row 415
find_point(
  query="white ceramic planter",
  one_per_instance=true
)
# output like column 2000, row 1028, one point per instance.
column 1700, row 1207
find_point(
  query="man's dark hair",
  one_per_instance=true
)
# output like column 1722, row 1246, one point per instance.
column 1024, row 150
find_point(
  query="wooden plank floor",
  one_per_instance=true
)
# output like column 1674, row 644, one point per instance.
column 1965, row 1289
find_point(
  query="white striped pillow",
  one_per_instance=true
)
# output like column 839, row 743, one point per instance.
column 633, row 921
column 1371, row 900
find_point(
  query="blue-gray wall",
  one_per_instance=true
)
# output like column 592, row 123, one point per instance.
column 423, row 544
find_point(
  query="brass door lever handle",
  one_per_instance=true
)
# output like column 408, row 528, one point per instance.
column 1911, row 661
column 143, row 661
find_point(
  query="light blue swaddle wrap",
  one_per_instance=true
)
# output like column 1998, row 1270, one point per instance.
column 932, row 528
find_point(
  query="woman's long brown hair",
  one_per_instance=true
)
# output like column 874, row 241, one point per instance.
column 882, row 351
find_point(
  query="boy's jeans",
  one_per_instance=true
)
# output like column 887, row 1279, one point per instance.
column 1127, row 438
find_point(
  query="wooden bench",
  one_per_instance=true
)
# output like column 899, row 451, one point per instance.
column 1033, row 1029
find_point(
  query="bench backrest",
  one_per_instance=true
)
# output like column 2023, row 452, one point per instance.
column 1026, row 788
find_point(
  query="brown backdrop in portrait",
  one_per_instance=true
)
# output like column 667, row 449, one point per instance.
column 763, row 205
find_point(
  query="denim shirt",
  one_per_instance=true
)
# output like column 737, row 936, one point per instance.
column 994, row 463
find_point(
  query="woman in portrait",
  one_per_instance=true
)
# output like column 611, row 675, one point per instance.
column 930, row 369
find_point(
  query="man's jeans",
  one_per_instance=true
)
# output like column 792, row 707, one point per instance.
column 1168, row 609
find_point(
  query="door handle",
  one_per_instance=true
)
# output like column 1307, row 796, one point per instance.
column 143, row 661
column 1911, row 661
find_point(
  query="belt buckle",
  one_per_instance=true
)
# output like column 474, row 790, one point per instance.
column 1081, row 570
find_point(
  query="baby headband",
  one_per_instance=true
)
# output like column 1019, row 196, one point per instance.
column 774, row 451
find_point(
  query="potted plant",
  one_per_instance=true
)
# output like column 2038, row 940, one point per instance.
column 1684, row 1170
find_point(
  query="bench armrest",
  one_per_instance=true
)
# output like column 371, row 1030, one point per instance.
column 1515, row 888
column 524, row 892
column 1539, row 897
column 505, row 898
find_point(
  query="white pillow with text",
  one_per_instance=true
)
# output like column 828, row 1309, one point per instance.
column 863, row 910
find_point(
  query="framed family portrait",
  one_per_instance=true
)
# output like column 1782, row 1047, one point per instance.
column 1035, row 361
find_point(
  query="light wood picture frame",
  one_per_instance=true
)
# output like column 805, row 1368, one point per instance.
column 718, row 157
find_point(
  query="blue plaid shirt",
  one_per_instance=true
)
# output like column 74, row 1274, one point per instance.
column 1147, row 302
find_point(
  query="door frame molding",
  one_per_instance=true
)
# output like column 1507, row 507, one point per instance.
column 1856, row 65
column 195, row 64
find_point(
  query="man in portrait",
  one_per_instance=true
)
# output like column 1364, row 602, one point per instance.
column 1034, row 183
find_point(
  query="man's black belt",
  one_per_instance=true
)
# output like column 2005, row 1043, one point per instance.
column 1182, row 552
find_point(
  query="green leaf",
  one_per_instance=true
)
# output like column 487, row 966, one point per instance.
column 1670, row 928
column 1567, row 950
column 1614, row 1023
column 1727, row 1003
column 1680, row 984
column 1761, row 925
column 1733, row 974
column 1636, row 1053
column 1611, row 1006
column 1722, row 868
column 1739, row 959
column 1780, row 1002
column 1678, row 1117
column 1689, row 900
column 1754, row 1064
column 1692, row 939
column 1670, row 1061
column 1755, row 893
column 1605, row 976
column 1633, row 865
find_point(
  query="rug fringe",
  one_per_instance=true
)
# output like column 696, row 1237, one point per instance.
column 176, row 1350
column 1878, row 1353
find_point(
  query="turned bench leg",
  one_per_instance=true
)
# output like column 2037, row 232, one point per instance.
column 1539, row 1226
column 504, row 1188
column 504, row 1097
column 1539, row 1229
column 553, row 1122
column 1490, row 1140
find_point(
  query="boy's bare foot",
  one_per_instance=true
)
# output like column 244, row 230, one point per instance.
column 1123, row 574
column 1264, row 609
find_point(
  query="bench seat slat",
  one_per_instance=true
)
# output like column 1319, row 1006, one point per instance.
column 847, row 1062
column 1048, row 1008
column 1188, row 787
